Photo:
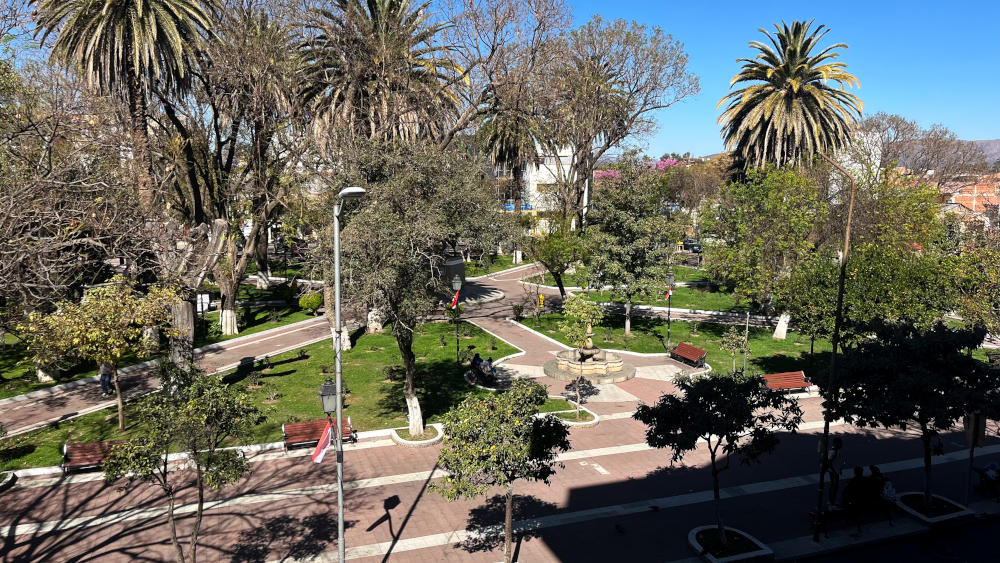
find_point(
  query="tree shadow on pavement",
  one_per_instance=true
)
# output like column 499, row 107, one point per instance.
column 485, row 524
column 287, row 536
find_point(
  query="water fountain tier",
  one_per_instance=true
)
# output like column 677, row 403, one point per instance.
column 596, row 365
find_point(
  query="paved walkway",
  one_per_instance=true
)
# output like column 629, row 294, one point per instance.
column 34, row 410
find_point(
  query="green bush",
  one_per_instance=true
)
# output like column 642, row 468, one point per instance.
column 311, row 301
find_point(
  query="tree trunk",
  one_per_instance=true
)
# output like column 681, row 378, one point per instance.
column 508, row 528
column 329, row 306
column 404, row 339
column 182, row 342
column 43, row 375
column 578, row 383
column 171, row 519
column 196, row 529
column 518, row 187
column 718, row 502
column 628, row 316
column 262, row 262
column 559, row 283
column 227, row 312
column 925, row 439
column 118, row 399
column 140, row 136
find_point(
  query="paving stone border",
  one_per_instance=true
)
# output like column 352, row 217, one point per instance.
column 400, row 441
column 7, row 480
column 962, row 514
column 763, row 554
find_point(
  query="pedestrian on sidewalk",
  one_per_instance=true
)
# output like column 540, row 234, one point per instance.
column 105, row 370
column 831, row 466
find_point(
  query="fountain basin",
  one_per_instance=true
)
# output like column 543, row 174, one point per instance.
column 596, row 365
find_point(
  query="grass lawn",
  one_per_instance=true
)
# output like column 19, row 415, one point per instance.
column 258, row 320
column 489, row 265
column 17, row 372
column 706, row 298
column 649, row 336
column 579, row 278
column 372, row 373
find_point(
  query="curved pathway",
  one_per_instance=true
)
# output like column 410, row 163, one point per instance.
column 25, row 413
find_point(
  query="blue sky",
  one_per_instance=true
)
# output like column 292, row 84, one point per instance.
column 930, row 62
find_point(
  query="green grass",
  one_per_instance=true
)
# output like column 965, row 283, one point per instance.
column 488, row 265
column 706, row 298
column 649, row 336
column 372, row 374
column 553, row 405
column 258, row 320
column 17, row 372
column 571, row 416
column 579, row 277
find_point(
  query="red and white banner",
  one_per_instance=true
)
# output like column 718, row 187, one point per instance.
column 454, row 302
column 670, row 291
column 324, row 444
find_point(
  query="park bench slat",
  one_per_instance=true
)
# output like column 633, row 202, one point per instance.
column 309, row 433
column 89, row 455
column 688, row 353
column 787, row 380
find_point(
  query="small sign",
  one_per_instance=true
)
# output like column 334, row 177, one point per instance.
column 203, row 302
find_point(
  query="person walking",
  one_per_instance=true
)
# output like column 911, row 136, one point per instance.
column 105, row 371
column 831, row 465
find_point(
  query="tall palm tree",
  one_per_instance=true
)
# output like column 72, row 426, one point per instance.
column 121, row 47
column 378, row 70
column 510, row 132
column 789, row 110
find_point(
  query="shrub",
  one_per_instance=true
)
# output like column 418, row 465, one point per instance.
column 271, row 392
column 215, row 329
column 311, row 301
column 274, row 316
column 518, row 310
column 253, row 379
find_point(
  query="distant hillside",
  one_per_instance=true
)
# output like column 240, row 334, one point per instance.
column 991, row 148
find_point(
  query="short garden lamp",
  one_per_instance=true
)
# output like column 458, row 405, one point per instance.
column 328, row 394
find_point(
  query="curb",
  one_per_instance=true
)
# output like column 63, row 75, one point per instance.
column 7, row 480
column 502, row 339
column 400, row 441
column 498, row 272
column 588, row 424
column 536, row 333
column 142, row 365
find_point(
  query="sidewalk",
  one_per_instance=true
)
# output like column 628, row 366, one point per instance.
column 32, row 411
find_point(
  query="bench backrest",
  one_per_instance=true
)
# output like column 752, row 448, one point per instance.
column 689, row 352
column 786, row 380
column 312, row 430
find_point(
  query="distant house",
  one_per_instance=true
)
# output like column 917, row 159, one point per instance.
column 979, row 194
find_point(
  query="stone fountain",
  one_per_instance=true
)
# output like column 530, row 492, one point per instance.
column 589, row 361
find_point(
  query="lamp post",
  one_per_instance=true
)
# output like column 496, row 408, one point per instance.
column 456, row 284
column 670, row 294
column 346, row 193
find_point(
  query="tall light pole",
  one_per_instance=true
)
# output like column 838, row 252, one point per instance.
column 456, row 284
column 353, row 192
column 838, row 320
column 670, row 295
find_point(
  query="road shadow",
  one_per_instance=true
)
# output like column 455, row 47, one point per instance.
column 486, row 522
column 292, row 538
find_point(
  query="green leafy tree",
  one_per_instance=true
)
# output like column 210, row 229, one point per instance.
column 809, row 294
column 979, row 283
column 760, row 229
column 197, row 422
column 734, row 342
column 910, row 376
column 312, row 301
column 104, row 327
column 581, row 316
column 420, row 201
column 496, row 441
column 558, row 251
column 127, row 48
column 736, row 415
column 789, row 110
column 630, row 236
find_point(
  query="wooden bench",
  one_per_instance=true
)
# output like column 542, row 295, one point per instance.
column 86, row 456
column 689, row 354
column 787, row 380
column 308, row 433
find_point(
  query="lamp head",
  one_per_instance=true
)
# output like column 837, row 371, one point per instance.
column 328, row 394
column 352, row 192
column 456, row 282
column 670, row 278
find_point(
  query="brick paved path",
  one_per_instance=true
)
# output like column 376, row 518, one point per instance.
column 24, row 413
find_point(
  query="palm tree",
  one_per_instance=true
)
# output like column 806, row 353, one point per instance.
column 378, row 71
column 789, row 110
column 510, row 132
column 122, row 47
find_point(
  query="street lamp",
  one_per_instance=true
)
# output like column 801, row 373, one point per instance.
column 328, row 395
column 670, row 294
column 352, row 192
column 456, row 284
